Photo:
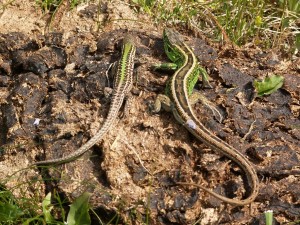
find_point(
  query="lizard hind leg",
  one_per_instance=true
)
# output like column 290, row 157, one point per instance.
column 128, row 101
column 162, row 102
column 196, row 97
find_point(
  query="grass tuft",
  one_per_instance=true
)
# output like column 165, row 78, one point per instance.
column 268, row 24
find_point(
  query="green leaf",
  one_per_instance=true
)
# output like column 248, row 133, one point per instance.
column 268, row 85
column 269, row 217
column 294, row 5
column 47, row 207
column 297, row 41
column 9, row 212
column 285, row 22
column 79, row 211
column 165, row 67
column 205, row 77
column 258, row 21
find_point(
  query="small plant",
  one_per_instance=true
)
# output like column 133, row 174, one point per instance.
column 51, row 5
column 48, row 5
column 268, row 85
column 269, row 217
column 9, row 209
column 79, row 211
column 12, row 213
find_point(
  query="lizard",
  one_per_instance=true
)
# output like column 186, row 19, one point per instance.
column 178, row 99
column 122, row 84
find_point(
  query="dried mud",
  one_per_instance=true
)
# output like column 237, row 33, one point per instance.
column 53, row 99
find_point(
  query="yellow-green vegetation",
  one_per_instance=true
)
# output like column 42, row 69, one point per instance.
column 268, row 24
column 268, row 85
column 269, row 217
column 25, row 210
column 54, row 208
column 51, row 5
column 20, row 210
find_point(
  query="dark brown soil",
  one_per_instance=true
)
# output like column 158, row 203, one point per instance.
column 53, row 99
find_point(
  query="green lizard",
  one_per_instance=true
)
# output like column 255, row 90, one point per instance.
column 122, row 85
column 177, row 99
